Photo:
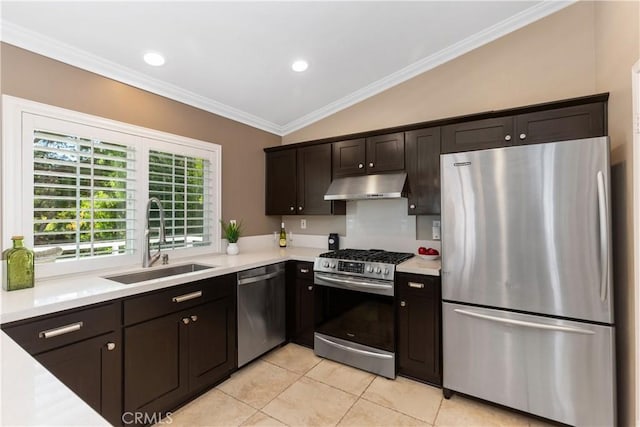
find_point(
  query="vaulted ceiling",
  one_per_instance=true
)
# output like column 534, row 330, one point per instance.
column 234, row 58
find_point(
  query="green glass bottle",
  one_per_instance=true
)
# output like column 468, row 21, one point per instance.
column 18, row 266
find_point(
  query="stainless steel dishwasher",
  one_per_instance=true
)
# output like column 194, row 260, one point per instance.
column 261, row 311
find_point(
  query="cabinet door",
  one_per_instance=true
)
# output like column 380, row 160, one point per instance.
column 419, row 330
column 561, row 124
column 422, row 152
column 304, row 312
column 212, row 343
column 92, row 369
column 280, row 182
column 349, row 157
column 314, row 177
column 385, row 153
column 478, row 135
column 155, row 369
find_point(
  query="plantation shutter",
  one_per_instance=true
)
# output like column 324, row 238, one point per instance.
column 183, row 184
column 83, row 195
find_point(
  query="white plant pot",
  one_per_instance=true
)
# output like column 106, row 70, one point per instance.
column 232, row 249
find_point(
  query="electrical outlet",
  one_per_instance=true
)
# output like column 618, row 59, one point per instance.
column 303, row 224
column 435, row 230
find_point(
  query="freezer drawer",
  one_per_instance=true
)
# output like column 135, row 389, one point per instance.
column 557, row 369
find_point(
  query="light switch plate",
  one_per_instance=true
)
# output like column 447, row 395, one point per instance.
column 303, row 224
column 435, row 230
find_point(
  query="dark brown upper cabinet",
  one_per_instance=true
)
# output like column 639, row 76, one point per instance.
column 297, row 180
column 561, row 124
column 380, row 153
column 349, row 157
column 555, row 124
column 422, row 160
column 281, row 182
column 477, row 135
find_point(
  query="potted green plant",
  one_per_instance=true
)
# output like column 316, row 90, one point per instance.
column 232, row 231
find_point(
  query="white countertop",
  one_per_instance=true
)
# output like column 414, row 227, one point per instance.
column 30, row 395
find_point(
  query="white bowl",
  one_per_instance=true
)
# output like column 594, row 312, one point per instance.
column 429, row 257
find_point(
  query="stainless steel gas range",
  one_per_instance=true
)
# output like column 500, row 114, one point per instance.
column 356, row 325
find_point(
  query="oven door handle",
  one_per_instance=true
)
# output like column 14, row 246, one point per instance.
column 352, row 283
column 355, row 350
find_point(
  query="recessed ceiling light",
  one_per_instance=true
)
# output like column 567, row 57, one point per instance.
column 300, row 65
column 154, row 58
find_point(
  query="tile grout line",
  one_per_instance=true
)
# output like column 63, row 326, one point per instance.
column 438, row 411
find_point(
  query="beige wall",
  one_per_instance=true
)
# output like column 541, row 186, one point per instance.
column 35, row 77
column 617, row 47
column 586, row 48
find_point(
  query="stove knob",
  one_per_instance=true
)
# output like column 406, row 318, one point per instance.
column 378, row 270
column 332, row 265
column 369, row 269
column 385, row 271
column 325, row 264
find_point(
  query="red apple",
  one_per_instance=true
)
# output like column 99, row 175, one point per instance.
column 432, row 251
column 422, row 250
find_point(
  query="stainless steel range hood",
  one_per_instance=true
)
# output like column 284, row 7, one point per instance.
column 365, row 187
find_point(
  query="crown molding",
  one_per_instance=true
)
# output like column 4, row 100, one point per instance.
column 515, row 22
column 36, row 42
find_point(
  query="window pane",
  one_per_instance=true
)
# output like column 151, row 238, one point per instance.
column 181, row 183
column 83, row 195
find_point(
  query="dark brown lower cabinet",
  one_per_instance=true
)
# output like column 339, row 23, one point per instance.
column 171, row 358
column 419, row 311
column 303, row 303
column 83, row 349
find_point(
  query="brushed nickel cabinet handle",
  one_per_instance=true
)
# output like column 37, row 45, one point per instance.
column 310, row 287
column 185, row 320
column 523, row 135
column 111, row 346
column 360, row 165
column 416, row 285
column 412, row 206
column 194, row 318
column 507, row 138
column 187, row 297
column 403, row 304
column 299, row 208
column 304, row 270
column 50, row 333
column 291, row 208
column 371, row 164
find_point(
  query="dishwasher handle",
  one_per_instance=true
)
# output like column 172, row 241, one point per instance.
column 264, row 277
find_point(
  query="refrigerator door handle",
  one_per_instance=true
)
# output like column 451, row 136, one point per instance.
column 604, row 241
column 525, row 324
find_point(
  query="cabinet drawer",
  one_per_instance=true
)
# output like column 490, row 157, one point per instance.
column 417, row 284
column 304, row 270
column 156, row 304
column 44, row 334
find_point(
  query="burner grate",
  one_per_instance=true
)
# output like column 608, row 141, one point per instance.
column 372, row 255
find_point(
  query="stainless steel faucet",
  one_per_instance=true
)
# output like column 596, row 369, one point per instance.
column 147, row 259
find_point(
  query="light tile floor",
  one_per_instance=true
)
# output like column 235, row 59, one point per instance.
column 290, row 386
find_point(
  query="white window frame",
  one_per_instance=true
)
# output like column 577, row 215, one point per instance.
column 17, row 188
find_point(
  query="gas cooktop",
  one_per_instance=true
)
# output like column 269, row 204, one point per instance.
column 370, row 255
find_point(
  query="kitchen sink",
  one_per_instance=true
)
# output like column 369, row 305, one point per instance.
column 142, row 276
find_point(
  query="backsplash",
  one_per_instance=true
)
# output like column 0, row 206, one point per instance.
column 382, row 224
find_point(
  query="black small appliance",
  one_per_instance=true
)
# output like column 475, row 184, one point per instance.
column 334, row 242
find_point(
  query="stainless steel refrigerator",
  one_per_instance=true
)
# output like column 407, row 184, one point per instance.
column 526, row 279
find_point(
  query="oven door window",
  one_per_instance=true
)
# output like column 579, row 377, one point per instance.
column 358, row 317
